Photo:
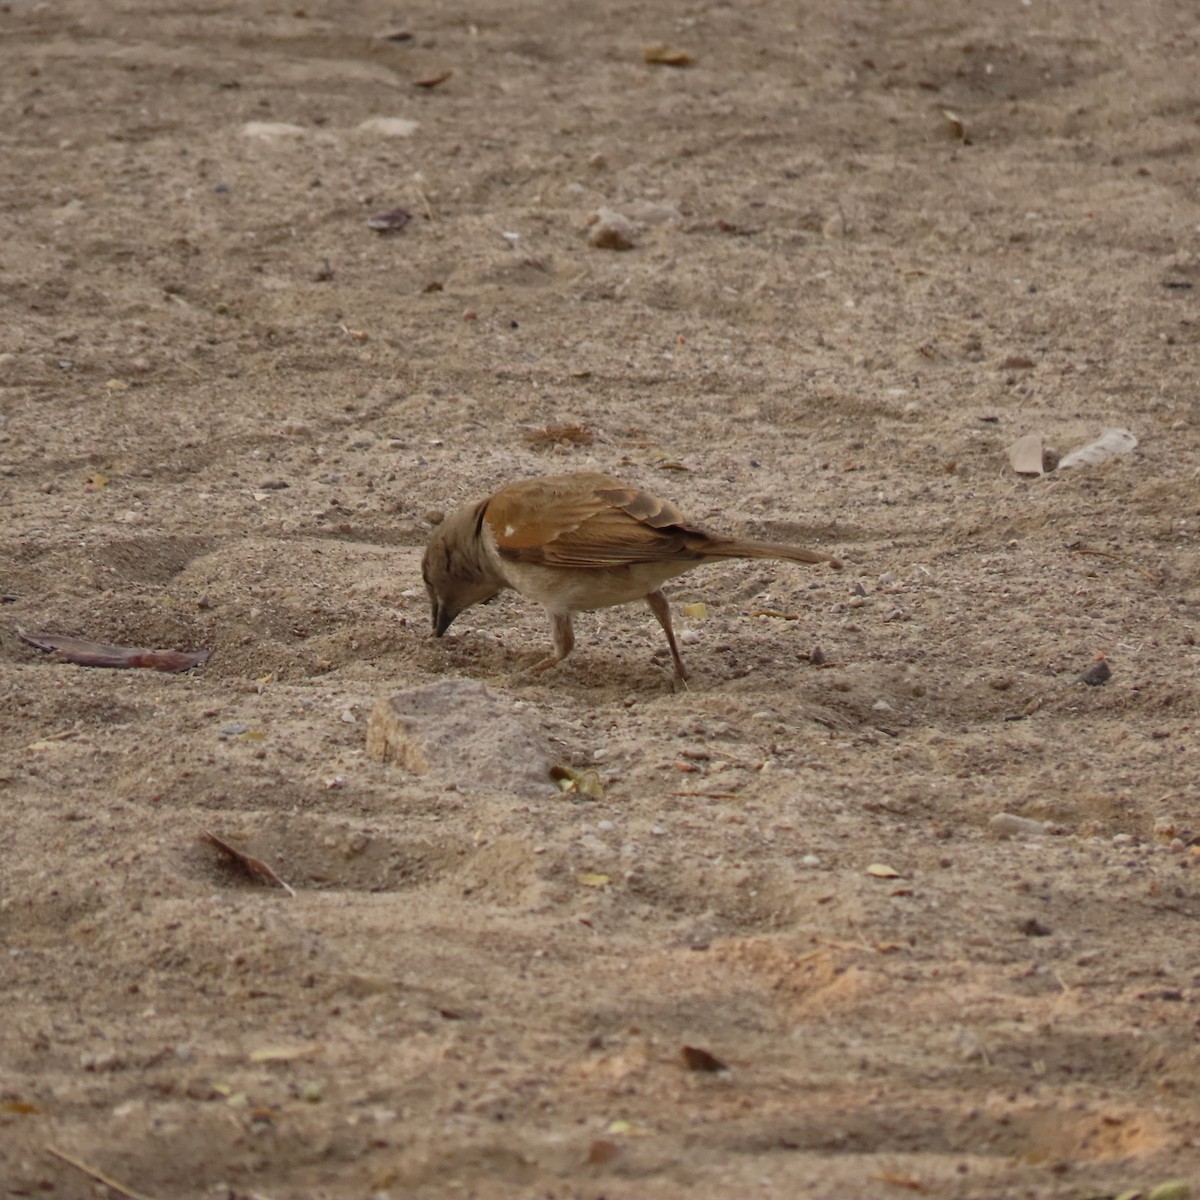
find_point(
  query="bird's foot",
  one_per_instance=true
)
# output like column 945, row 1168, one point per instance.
column 533, row 671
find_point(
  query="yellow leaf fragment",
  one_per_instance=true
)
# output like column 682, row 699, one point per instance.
column 269, row 1054
column 955, row 124
column 627, row 1128
column 583, row 783
column 697, row 612
column 589, row 880
column 20, row 1108
column 883, row 871
column 1173, row 1189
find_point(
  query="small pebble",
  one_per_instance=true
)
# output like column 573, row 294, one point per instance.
column 611, row 231
column 834, row 226
column 268, row 130
column 1009, row 825
column 397, row 127
column 1034, row 928
column 1099, row 672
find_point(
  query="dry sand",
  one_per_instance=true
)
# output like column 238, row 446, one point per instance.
column 228, row 411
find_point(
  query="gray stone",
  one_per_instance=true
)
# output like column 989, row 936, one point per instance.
column 1009, row 825
column 458, row 731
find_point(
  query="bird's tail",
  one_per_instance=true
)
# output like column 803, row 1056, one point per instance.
column 753, row 548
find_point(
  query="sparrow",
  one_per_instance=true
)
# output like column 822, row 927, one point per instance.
column 572, row 543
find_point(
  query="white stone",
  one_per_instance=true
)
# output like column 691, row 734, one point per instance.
column 397, row 127
column 269, row 130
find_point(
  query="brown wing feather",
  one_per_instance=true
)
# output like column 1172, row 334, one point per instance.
column 585, row 520
column 592, row 520
column 642, row 506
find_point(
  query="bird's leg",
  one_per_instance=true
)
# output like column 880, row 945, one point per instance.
column 662, row 610
column 563, row 633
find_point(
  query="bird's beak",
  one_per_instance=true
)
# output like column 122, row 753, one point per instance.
column 442, row 618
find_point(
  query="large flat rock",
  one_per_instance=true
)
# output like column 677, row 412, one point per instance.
column 459, row 730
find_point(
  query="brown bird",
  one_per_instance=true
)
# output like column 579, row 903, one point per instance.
column 575, row 542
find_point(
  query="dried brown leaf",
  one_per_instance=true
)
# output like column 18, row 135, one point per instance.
column 103, row 654
column 697, row 1059
column 98, row 1176
column 667, row 56
column 883, row 871
column 904, row 1181
column 603, row 1150
column 391, row 221
column 553, row 435
column 254, row 867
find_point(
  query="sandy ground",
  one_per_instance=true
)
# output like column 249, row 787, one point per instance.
column 229, row 410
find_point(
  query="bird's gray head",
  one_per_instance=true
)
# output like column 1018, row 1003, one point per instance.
column 455, row 569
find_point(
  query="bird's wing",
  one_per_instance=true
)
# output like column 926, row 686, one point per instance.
column 585, row 520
